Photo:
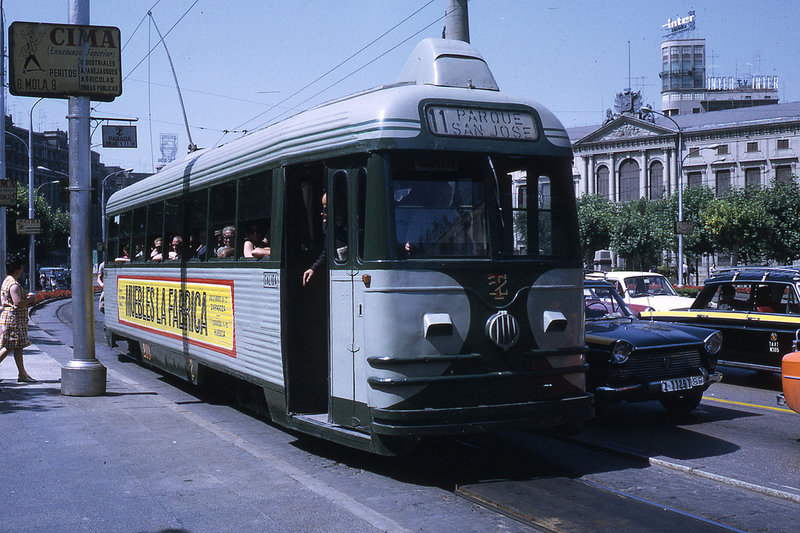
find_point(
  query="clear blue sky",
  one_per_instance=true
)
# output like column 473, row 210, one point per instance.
column 236, row 59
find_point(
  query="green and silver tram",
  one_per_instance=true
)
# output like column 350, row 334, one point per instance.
column 446, row 294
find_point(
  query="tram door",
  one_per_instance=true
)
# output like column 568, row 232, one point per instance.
column 305, row 307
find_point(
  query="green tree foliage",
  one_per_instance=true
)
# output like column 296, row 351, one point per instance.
column 739, row 224
column 641, row 231
column 782, row 203
column 596, row 216
column 55, row 227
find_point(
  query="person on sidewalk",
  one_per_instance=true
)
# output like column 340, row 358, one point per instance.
column 14, row 318
column 101, row 283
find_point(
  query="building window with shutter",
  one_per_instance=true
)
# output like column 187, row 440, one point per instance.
column 752, row 177
column 783, row 173
column 694, row 179
column 602, row 181
column 752, row 146
column 723, row 181
column 656, row 180
column 783, row 144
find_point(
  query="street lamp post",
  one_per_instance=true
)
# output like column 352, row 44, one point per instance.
column 679, row 147
column 46, row 183
column 31, row 214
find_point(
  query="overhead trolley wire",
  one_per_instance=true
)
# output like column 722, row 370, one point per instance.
column 159, row 41
column 318, row 78
column 358, row 69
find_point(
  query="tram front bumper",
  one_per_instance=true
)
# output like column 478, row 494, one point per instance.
column 482, row 418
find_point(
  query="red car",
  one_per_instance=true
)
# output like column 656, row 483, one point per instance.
column 790, row 376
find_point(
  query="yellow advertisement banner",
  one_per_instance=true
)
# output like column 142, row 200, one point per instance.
column 200, row 311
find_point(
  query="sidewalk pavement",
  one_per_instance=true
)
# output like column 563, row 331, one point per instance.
column 147, row 456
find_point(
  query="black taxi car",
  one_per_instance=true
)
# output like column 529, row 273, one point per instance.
column 757, row 309
column 638, row 360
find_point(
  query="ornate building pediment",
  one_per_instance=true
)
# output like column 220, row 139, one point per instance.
column 624, row 128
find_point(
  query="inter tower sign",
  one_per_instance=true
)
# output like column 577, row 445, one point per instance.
column 61, row 60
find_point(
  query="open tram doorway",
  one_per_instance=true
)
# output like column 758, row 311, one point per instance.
column 305, row 308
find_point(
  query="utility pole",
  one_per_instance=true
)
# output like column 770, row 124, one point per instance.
column 457, row 21
column 83, row 375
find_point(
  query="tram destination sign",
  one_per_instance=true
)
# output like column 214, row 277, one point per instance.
column 62, row 60
column 484, row 123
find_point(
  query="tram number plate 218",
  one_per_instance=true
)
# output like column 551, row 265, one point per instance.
column 672, row 385
column 272, row 280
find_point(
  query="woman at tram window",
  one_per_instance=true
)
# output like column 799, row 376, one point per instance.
column 255, row 243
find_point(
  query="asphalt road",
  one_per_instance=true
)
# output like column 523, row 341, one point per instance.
column 733, row 464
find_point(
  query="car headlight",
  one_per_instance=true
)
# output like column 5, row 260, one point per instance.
column 622, row 350
column 713, row 343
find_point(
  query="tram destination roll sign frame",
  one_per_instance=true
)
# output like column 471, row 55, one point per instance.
column 63, row 60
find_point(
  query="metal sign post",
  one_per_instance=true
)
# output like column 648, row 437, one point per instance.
column 83, row 375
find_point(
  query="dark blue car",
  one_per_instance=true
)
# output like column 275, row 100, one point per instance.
column 637, row 360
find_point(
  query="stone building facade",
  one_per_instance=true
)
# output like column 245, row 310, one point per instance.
column 629, row 157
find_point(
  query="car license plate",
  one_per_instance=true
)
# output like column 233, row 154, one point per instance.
column 672, row 385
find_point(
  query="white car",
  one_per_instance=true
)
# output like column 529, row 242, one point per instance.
column 646, row 290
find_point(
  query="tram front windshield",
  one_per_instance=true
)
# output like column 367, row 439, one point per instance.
column 482, row 206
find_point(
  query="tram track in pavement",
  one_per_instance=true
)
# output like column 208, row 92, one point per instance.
column 517, row 475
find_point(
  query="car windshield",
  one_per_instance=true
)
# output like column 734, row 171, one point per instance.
column 603, row 303
column 749, row 297
column 655, row 285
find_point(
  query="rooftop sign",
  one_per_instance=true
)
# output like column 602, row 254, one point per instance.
column 678, row 25
column 61, row 60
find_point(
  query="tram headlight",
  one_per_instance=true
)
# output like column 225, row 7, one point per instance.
column 621, row 352
column 713, row 343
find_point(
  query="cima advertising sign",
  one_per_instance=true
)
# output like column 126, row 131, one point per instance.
column 61, row 60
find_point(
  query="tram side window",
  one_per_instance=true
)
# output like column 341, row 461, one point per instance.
column 362, row 210
column 545, row 222
column 339, row 216
column 138, row 235
column 255, row 215
column 154, row 251
column 536, row 208
column 112, row 243
column 124, row 252
column 222, row 219
column 196, row 231
column 519, row 213
column 173, row 229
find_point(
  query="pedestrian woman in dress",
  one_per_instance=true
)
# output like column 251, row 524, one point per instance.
column 14, row 318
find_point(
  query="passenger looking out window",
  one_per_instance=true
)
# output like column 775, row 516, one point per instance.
column 226, row 247
column 255, row 243
column 157, row 253
column 176, row 248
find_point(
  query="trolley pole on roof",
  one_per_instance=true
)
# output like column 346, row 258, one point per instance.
column 457, row 21
column 83, row 375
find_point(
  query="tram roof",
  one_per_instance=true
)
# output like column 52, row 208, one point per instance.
column 383, row 117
